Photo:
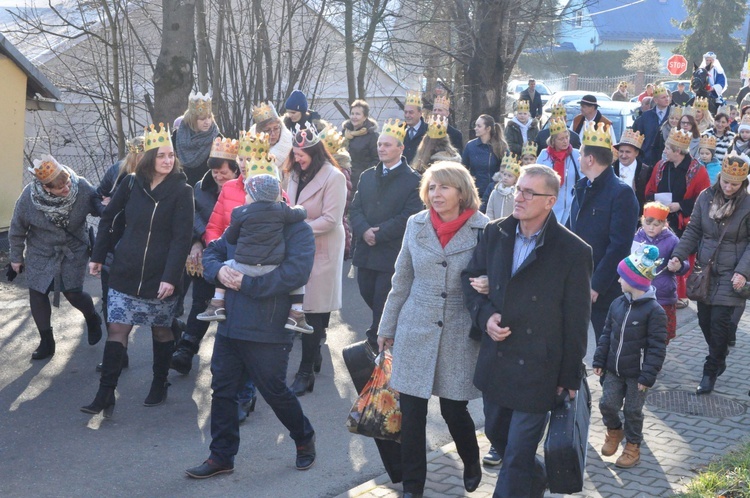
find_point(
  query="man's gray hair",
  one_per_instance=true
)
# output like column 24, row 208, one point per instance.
column 550, row 176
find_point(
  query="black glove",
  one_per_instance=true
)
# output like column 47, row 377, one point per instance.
column 11, row 273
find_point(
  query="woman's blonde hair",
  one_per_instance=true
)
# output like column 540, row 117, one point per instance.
column 429, row 147
column 454, row 175
column 191, row 118
column 130, row 161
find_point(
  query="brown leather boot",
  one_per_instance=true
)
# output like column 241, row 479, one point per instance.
column 630, row 457
column 612, row 441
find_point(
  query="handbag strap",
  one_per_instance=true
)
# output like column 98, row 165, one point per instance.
column 718, row 244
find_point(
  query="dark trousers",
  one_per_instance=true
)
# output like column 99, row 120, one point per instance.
column 619, row 393
column 516, row 435
column 715, row 322
column 374, row 287
column 202, row 294
column 265, row 364
column 413, row 439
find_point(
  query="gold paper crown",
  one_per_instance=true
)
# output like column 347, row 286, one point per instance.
column 332, row 139
column 194, row 269
column 225, row 148
column 263, row 112
column 523, row 106
column 437, row 127
column 414, row 97
column 707, row 142
column 153, row 139
column 659, row 90
column 441, row 102
column 260, row 164
column 634, row 138
column 199, row 104
column 253, row 144
column 395, row 128
column 734, row 169
column 46, row 169
column 556, row 125
column 597, row 135
column 688, row 111
column 306, row 137
column 701, row 103
column 529, row 149
column 558, row 111
column 676, row 111
column 135, row 145
column 680, row 139
column 512, row 164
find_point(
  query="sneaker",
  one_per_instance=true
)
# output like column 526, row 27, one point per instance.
column 297, row 322
column 214, row 313
column 492, row 457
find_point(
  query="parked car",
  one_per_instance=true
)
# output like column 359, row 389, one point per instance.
column 622, row 114
column 515, row 87
column 566, row 97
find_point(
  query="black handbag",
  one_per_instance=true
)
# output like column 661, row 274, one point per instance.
column 698, row 284
column 117, row 228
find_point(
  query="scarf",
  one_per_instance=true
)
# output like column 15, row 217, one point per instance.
column 56, row 209
column 194, row 147
column 722, row 207
column 558, row 160
column 740, row 146
column 524, row 128
column 445, row 230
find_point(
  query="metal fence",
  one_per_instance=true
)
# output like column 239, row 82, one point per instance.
column 605, row 84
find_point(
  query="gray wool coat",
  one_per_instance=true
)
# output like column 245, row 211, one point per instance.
column 425, row 313
column 702, row 235
column 49, row 250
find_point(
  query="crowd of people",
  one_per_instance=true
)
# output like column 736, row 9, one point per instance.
column 483, row 263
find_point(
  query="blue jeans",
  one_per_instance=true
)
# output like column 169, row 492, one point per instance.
column 265, row 365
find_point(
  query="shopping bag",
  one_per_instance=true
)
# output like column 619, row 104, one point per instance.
column 376, row 412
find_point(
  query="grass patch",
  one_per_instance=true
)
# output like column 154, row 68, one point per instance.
column 728, row 477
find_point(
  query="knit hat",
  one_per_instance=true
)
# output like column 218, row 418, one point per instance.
column 263, row 188
column 744, row 124
column 639, row 269
column 296, row 102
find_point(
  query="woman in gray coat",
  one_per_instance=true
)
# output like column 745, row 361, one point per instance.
column 722, row 208
column 427, row 324
column 48, row 239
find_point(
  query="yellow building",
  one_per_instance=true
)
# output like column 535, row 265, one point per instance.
column 22, row 88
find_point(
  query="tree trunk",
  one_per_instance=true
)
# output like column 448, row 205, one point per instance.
column 202, row 46
column 349, row 49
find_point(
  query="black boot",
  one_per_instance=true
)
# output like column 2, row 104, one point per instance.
column 732, row 338
column 178, row 327
column 318, row 361
column 94, row 328
column 46, row 345
column 162, row 358
column 125, row 362
column 303, row 382
column 472, row 476
column 182, row 359
column 111, row 368
column 706, row 385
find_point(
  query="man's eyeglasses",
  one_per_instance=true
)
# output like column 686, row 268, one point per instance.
column 528, row 195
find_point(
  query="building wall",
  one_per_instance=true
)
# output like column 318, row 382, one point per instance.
column 13, row 104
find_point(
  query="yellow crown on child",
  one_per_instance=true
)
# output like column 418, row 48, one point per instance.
column 199, row 104
column 260, row 164
column 659, row 90
column 225, row 148
column 512, row 164
column 46, row 169
column 707, row 142
column 414, row 97
column 395, row 128
column 332, row 139
column 263, row 112
column 556, row 125
column 679, row 139
column 253, row 144
column 153, row 139
column 558, row 111
column 734, row 168
column 701, row 103
column 442, row 102
column 597, row 135
column 437, row 127
column 634, row 138
column 523, row 106
column 135, row 145
column 529, row 149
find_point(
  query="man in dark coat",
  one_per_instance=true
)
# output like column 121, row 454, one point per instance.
column 680, row 97
column 590, row 114
column 442, row 107
column 416, row 128
column 386, row 196
column 649, row 125
column 629, row 166
column 533, row 314
column 605, row 215
column 534, row 98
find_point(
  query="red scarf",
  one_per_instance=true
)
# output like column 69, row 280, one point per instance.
column 445, row 230
column 558, row 157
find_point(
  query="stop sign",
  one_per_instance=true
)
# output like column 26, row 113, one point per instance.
column 676, row 65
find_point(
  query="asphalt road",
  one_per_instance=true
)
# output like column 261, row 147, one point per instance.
column 49, row 448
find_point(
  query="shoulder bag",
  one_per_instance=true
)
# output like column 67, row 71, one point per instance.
column 699, row 282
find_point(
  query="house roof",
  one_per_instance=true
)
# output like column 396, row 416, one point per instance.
column 37, row 81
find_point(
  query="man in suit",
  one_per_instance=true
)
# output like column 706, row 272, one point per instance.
column 442, row 107
column 534, row 98
column 386, row 196
column 649, row 125
column 533, row 312
column 629, row 166
column 416, row 128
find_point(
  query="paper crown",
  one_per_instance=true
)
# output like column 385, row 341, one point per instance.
column 630, row 137
column 441, row 102
column 655, row 210
column 395, row 128
column 46, row 169
column 659, row 90
column 676, row 111
column 263, row 112
column 688, row 111
column 414, row 97
column 437, row 127
column 199, row 104
column 734, row 169
column 225, row 148
column 194, row 269
column 707, row 142
column 260, row 164
column 639, row 269
column 135, row 145
column 597, row 135
column 512, row 164
column 523, row 106
column 304, row 138
column 253, row 144
column 332, row 139
column 153, row 139
column 680, row 139
column 529, row 149
column 701, row 103
column 558, row 111
column 556, row 125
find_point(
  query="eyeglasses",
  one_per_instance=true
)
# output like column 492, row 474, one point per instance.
column 527, row 195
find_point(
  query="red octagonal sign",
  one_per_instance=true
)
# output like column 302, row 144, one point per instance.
column 676, row 65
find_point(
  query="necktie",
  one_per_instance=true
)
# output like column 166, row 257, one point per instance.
column 385, row 171
column 660, row 113
column 412, row 132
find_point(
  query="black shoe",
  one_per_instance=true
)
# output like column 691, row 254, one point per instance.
column 303, row 383
column 246, row 408
column 306, row 455
column 182, row 360
column 158, row 393
column 46, row 347
column 104, row 401
column 94, row 329
column 706, row 385
column 318, row 361
column 472, row 476
column 207, row 469
column 125, row 362
column 111, row 368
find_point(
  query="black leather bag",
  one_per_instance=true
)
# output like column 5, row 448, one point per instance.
column 698, row 284
column 117, row 228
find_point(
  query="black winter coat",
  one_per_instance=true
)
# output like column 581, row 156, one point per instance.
column 546, row 304
column 205, row 196
column 110, row 180
column 642, row 176
column 456, row 138
column 411, row 145
column 634, row 342
column 156, row 241
column 386, row 203
column 362, row 149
